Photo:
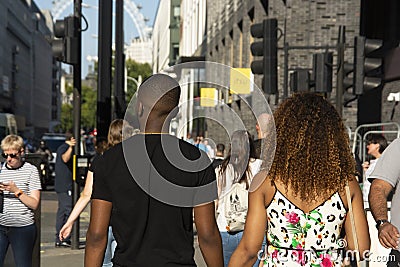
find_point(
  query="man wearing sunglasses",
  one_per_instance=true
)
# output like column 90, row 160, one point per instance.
column 20, row 190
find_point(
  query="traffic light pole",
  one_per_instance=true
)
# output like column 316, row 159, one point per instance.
column 286, row 70
column 103, row 118
column 119, row 93
column 77, row 117
column 340, row 71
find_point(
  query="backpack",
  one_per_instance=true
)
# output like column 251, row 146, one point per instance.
column 236, row 205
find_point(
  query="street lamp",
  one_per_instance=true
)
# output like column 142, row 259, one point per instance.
column 138, row 82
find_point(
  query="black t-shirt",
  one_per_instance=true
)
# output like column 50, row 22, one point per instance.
column 94, row 162
column 149, row 232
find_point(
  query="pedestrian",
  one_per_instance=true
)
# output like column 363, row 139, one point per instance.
column 20, row 196
column 152, row 226
column 239, row 167
column 115, row 136
column 303, row 198
column 63, row 186
column 376, row 144
column 219, row 156
column 263, row 127
column 44, row 149
column 386, row 177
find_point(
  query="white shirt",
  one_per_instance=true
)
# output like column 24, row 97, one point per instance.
column 15, row 213
column 254, row 166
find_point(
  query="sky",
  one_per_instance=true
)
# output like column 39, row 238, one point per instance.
column 89, row 37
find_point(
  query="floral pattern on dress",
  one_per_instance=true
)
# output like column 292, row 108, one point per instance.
column 298, row 238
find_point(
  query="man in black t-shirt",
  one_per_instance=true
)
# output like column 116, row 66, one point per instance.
column 149, row 186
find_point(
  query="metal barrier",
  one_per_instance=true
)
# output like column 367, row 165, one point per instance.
column 364, row 139
column 356, row 133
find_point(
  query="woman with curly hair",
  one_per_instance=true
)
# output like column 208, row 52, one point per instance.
column 302, row 200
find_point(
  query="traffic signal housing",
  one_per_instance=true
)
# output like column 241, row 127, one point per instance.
column 322, row 71
column 367, row 68
column 267, row 49
column 348, row 80
column 300, row 81
column 65, row 46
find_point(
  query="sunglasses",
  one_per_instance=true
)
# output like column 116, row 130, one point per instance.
column 13, row 156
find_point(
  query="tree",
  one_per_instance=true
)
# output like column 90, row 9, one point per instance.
column 88, row 108
column 66, row 117
column 134, row 69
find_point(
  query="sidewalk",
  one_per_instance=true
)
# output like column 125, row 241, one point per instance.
column 51, row 256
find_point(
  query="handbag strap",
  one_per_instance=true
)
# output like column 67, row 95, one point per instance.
column 353, row 224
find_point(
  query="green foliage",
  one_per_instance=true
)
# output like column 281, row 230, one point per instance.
column 89, row 96
column 88, row 108
column 134, row 69
column 66, row 117
column 69, row 88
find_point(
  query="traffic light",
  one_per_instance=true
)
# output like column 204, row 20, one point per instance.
column 348, row 80
column 65, row 48
column 267, row 49
column 300, row 81
column 322, row 72
column 367, row 68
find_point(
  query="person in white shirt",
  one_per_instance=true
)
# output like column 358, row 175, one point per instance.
column 20, row 191
column 376, row 144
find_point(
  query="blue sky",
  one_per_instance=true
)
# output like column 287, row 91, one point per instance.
column 89, row 37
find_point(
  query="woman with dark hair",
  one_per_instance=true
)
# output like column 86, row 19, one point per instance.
column 376, row 144
column 239, row 166
column 302, row 200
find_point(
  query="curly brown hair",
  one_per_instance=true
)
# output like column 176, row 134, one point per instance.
column 312, row 147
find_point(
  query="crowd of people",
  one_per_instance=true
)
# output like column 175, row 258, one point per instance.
column 148, row 189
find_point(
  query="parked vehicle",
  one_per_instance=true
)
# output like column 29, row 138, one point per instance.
column 8, row 125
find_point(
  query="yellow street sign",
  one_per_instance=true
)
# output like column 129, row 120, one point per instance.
column 241, row 81
column 208, row 97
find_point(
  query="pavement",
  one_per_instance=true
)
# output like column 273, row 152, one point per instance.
column 51, row 256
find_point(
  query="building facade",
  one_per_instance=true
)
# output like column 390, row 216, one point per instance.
column 27, row 69
column 166, row 34
column 140, row 51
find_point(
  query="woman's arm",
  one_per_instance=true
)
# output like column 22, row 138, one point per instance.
column 254, row 231
column 359, row 219
column 79, row 206
column 31, row 201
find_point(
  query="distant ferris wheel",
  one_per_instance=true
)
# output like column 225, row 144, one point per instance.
column 129, row 6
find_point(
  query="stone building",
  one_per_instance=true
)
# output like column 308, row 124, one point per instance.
column 27, row 69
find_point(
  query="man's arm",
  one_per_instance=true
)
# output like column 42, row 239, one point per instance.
column 208, row 234
column 388, row 233
column 66, row 156
column 96, row 236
